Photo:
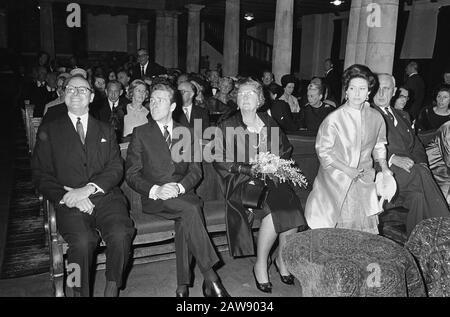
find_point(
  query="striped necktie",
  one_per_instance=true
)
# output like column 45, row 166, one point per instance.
column 167, row 136
column 80, row 130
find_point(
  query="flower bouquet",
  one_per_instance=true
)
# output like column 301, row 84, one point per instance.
column 277, row 169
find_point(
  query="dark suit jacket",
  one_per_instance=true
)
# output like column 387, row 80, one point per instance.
column 60, row 159
column 55, row 112
column 196, row 113
column 149, row 162
column 415, row 84
column 333, row 80
column 282, row 114
column 153, row 69
column 402, row 140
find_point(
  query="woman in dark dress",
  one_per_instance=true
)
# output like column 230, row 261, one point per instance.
column 432, row 118
column 281, row 211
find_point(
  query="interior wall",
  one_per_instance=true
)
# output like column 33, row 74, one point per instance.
column 107, row 33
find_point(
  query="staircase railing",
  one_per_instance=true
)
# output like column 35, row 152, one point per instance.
column 256, row 49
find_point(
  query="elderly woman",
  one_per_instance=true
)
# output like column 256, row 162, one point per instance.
column 136, row 114
column 288, row 83
column 222, row 102
column 344, row 193
column 431, row 118
column 280, row 210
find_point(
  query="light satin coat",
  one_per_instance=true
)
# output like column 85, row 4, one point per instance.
column 352, row 137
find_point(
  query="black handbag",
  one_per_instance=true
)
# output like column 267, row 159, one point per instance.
column 254, row 192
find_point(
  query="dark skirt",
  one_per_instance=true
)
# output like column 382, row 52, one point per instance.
column 285, row 207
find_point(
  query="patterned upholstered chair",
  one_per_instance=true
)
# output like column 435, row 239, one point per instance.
column 350, row 263
column 430, row 245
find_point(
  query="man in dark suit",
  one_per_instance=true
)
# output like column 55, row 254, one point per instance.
column 416, row 85
column 333, row 80
column 77, row 166
column 189, row 112
column 166, row 185
column 112, row 109
column 417, row 190
column 145, row 68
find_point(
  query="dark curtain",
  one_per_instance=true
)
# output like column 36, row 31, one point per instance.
column 441, row 54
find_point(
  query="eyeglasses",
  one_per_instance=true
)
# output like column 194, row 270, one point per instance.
column 249, row 93
column 80, row 90
column 141, row 55
column 158, row 100
column 185, row 91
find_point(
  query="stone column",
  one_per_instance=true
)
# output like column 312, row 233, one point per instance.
column 231, row 38
column 193, row 38
column 3, row 29
column 143, row 40
column 46, row 28
column 367, row 42
column 159, row 37
column 166, row 42
column 282, row 45
column 132, row 38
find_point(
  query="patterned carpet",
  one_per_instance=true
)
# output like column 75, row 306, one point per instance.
column 26, row 250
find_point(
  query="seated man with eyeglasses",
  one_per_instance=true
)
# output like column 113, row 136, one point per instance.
column 145, row 67
column 76, row 165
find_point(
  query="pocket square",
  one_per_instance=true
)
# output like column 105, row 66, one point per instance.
column 103, row 140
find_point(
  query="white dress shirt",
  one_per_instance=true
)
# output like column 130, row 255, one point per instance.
column 152, row 194
column 188, row 111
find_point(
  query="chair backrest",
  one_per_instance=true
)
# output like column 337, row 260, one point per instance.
column 305, row 155
column 35, row 123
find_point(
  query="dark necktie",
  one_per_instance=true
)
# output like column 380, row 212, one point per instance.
column 167, row 137
column 389, row 114
column 142, row 71
column 80, row 130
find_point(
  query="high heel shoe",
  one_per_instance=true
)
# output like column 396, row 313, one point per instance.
column 263, row 287
column 286, row 279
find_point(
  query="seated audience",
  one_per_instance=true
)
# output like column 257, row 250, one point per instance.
column 401, row 98
column 189, row 111
column 80, row 176
column 112, row 75
column 59, row 91
column 327, row 97
column 123, row 77
column 145, row 67
column 417, row 190
column 433, row 117
column 111, row 109
column 222, row 101
column 348, row 142
column 315, row 111
column 279, row 109
column 267, row 78
column 288, row 83
column 136, row 114
column 167, row 188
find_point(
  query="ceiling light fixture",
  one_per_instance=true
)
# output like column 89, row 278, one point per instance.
column 249, row 16
column 337, row 2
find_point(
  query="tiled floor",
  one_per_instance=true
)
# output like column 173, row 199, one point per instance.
column 159, row 280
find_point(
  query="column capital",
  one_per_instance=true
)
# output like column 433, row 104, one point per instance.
column 194, row 7
column 167, row 14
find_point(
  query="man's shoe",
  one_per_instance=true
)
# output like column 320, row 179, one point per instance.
column 182, row 292
column 214, row 289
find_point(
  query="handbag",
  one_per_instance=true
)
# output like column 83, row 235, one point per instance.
column 254, row 192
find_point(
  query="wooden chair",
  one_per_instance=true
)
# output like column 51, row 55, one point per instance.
column 154, row 238
column 29, row 109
